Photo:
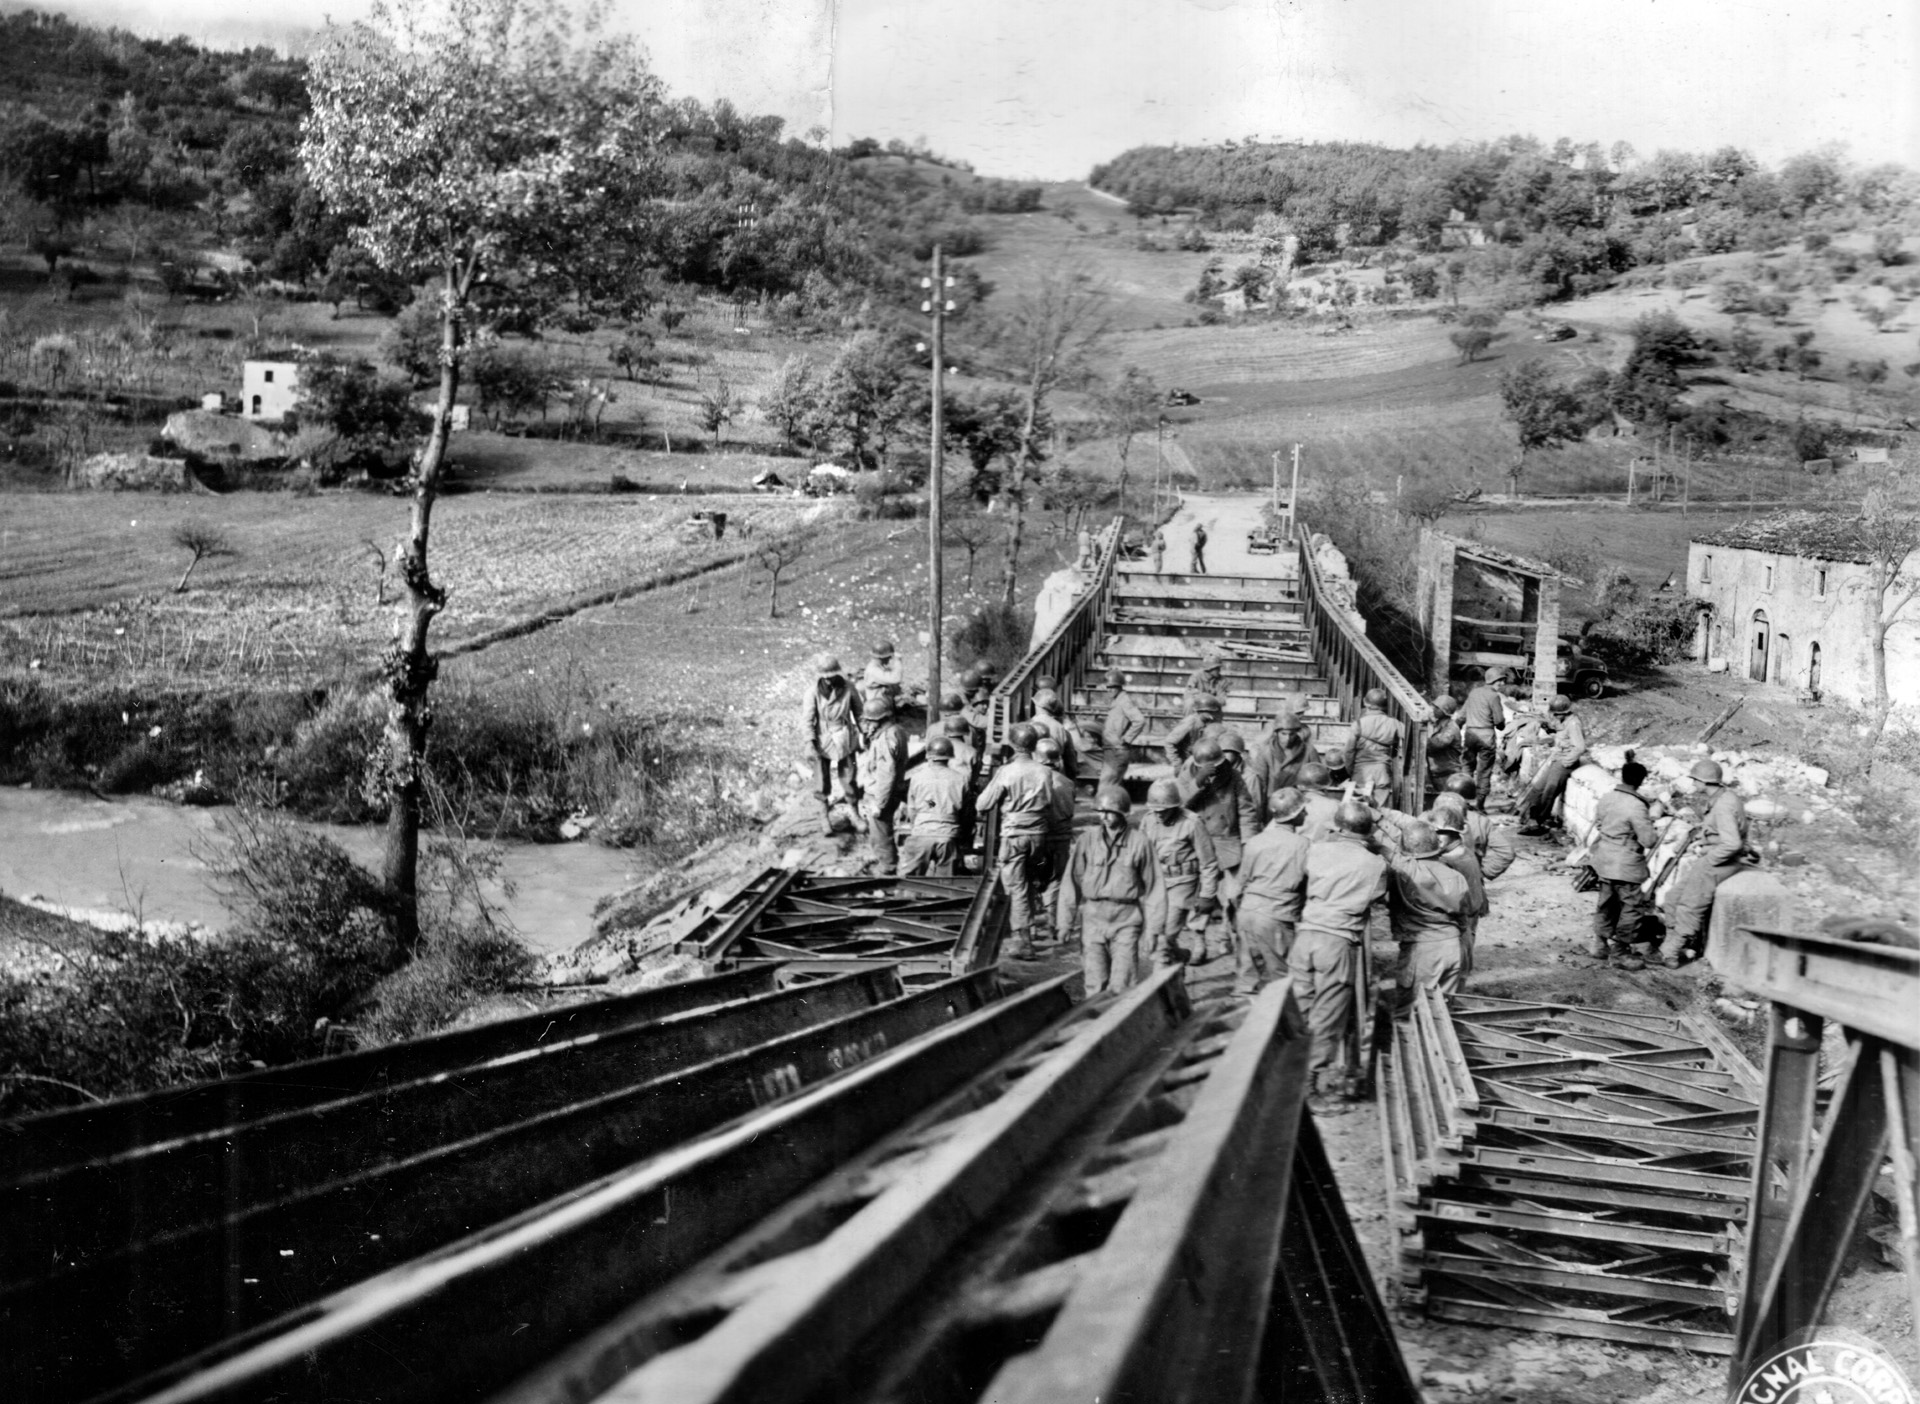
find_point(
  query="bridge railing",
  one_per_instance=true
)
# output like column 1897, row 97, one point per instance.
column 1353, row 665
column 1064, row 650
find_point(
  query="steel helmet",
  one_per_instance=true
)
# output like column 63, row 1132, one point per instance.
column 1315, row 776
column 1449, row 815
column 939, row 748
column 1446, row 706
column 1354, row 817
column 1206, row 702
column 953, row 702
column 1047, row 701
column 1164, row 794
column 1497, row 676
column 883, row 649
column 1047, row 751
column 1111, row 799
column 1708, row 772
column 1460, row 783
column 1285, row 805
column 1022, row 737
column 1561, row 704
column 1045, row 682
column 1116, row 678
column 1206, row 754
column 827, row 666
column 1231, row 741
column 1375, row 697
column 878, row 706
column 1419, row 840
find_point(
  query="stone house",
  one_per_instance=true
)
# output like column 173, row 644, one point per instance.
column 268, row 388
column 1790, row 601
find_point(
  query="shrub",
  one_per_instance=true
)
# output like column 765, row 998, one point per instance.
column 993, row 633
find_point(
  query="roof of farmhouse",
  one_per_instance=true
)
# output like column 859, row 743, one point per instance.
column 1821, row 536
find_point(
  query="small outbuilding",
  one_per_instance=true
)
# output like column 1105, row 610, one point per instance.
column 269, row 388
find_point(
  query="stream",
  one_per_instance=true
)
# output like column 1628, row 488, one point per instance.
column 136, row 855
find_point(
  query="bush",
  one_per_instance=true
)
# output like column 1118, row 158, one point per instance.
column 998, row 634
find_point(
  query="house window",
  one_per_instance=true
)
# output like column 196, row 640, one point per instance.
column 1706, row 569
column 1820, row 583
column 267, row 376
column 1769, row 577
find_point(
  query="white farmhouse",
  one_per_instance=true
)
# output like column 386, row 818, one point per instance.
column 1791, row 602
column 268, row 388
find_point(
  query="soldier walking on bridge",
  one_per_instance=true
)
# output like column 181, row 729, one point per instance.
column 1159, row 549
column 1373, row 749
column 1200, row 724
column 1277, row 758
column 1111, row 888
column 936, row 802
column 1273, row 885
column 1346, row 886
column 883, row 777
column 1060, row 813
column 1189, row 872
column 1199, row 548
column 1126, row 727
column 1208, row 678
column 832, row 705
column 1022, row 790
column 1211, row 782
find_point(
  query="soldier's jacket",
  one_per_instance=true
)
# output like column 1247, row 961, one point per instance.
column 1375, row 737
column 1206, row 681
column 936, row 798
column 1462, row 859
column 1623, row 836
column 1060, row 806
column 1345, row 881
column 1482, row 710
column 1320, row 811
column 1223, row 805
column 1569, row 739
column 1110, row 868
column 828, row 716
column 1426, row 898
column 884, row 676
column 1022, row 790
column 1190, row 729
column 881, row 768
column 1273, row 764
column 1492, row 846
column 1725, row 830
column 1126, row 723
column 1052, row 726
column 1184, row 851
column 1444, row 748
column 1274, row 870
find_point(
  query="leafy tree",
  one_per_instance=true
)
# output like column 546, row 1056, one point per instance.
column 1649, row 383
column 1423, row 280
column 973, row 533
column 634, row 353
column 1810, row 179
column 865, row 395
column 719, row 407
column 483, row 139
column 792, row 402
column 1126, row 407
column 509, row 383
column 1544, row 411
column 1470, row 342
column 1744, row 346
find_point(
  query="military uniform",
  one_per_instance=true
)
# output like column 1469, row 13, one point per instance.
column 1191, row 729
column 1373, row 748
column 1274, row 763
column 1481, row 718
column 1427, row 899
column 828, row 718
column 882, row 771
column 1273, row 887
column 1225, row 809
column 1126, row 727
column 1189, row 876
column 936, row 799
column 1022, row 790
column 1623, row 835
column 1346, row 884
column 1111, row 887
column 1720, row 858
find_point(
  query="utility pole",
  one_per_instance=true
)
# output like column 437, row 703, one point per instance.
column 1276, row 480
column 938, row 306
column 1293, row 499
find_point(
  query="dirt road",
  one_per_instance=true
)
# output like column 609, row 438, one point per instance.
column 1228, row 517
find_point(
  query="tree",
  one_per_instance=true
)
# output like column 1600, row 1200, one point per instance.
column 496, row 140
column 865, row 395
column 792, row 402
column 508, row 383
column 719, row 407
column 1128, row 406
column 204, row 543
column 1890, row 534
column 634, row 353
column 1045, row 341
column 774, row 555
column 352, row 400
column 972, row 534
column 1470, row 342
column 1544, row 411
column 1744, row 346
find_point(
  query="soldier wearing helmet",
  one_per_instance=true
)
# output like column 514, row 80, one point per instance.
column 1428, row 900
column 1623, row 837
column 1111, row 889
column 1189, row 871
column 936, row 804
column 1373, row 749
column 1209, row 678
column 1346, row 885
column 1275, row 761
column 1059, row 841
column 882, row 772
column 1444, row 747
column 1567, row 751
column 882, row 673
column 1481, row 719
column 1492, row 845
column 1022, row 790
column 829, row 720
column 1323, row 801
column 1723, row 852
column 1047, row 721
column 1210, row 781
column 1273, row 885
column 1126, row 727
column 1203, row 720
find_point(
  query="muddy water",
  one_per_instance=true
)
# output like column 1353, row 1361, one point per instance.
column 138, row 855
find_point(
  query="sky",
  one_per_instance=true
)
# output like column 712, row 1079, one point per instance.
column 1047, row 88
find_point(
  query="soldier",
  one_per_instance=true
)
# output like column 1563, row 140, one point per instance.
column 1125, row 728
column 1021, row 790
column 1047, row 721
column 1112, row 887
column 1723, row 852
column 1207, row 680
column 936, row 800
column 1277, row 758
column 1373, row 749
column 1059, row 832
column 956, row 727
column 1568, row 749
column 1346, row 886
column 1491, row 844
column 1481, row 719
column 1273, row 885
column 832, row 703
column 1323, row 802
column 1215, row 796
column 882, row 770
column 1623, row 836
column 1189, row 872
column 1426, row 902
column 1444, row 744
column 1201, row 724
column 1199, row 549
column 882, row 672
column 1450, row 819
column 1159, row 549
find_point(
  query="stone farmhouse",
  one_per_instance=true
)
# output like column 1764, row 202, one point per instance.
column 268, row 388
column 1790, row 601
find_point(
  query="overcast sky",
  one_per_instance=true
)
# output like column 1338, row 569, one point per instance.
column 1049, row 87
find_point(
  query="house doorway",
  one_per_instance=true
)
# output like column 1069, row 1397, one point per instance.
column 1782, row 660
column 1757, row 655
column 1813, row 668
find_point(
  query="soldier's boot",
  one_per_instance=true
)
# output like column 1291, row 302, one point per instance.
column 1020, row 947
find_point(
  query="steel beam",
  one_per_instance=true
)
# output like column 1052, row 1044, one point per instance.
column 1873, row 989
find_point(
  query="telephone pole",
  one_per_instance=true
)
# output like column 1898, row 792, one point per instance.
column 936, row 304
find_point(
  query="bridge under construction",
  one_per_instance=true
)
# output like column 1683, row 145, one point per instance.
column 859, row 1161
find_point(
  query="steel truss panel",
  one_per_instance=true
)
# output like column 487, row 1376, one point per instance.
column 818, row 923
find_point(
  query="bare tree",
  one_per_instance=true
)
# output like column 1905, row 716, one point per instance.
column 775, row 554
column 1889, row 535
column 204, row 542
column 1046, row 341
column 972, row 534
column 379, row 559
column 719, row 407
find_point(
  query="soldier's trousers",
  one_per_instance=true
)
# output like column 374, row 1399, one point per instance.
column 1433, row 962
column 1469, row 935
column 836, row 778
column 1113, row 764
column 1619, row 914
column 1264, row 945
column 1021, row 857
column 1692, row 906
column 1111, row 935
column 886, row 857
column 924, row 854
column 1479, row 749
column 1051, row 872
column 1322, row 967
column 1177, row 899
